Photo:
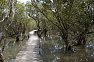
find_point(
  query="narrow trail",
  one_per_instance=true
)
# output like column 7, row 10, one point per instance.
column 30, row 51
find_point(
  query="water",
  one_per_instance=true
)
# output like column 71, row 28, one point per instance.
column 11, row 49
column 52, row 51
column 55, row 52
column 30, row 51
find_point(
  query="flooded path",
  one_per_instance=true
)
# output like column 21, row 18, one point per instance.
column 30, row 52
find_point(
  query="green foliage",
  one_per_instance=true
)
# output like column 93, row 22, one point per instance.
column 71, row 18
column 13, row 18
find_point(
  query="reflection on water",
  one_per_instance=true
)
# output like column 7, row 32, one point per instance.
column 54, row 52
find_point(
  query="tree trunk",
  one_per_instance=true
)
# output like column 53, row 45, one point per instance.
column 17, row 38
column 81, row 40
column 44, row 33
column 65, row 38
column 39, row 33
column 1, row 58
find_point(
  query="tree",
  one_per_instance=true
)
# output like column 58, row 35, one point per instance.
column 73, row 20
column 53, row 12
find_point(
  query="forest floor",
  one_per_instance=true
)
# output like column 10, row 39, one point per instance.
column 30, row 51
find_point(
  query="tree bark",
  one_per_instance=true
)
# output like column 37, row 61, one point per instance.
column 64, row 36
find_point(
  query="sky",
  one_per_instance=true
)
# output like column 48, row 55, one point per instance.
column 23, row 1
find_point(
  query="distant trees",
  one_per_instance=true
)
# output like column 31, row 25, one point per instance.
column 13, row 19
column 14, row 23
